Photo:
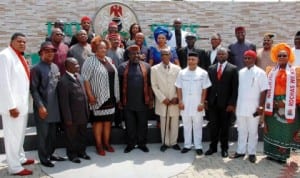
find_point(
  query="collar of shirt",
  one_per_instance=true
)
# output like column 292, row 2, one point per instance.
column 223, row 65
column 70, row 74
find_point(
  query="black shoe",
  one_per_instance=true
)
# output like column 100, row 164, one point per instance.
column 47, row 164
column 176, row 147
column 75, row 160
column 237, row 155
column 57, row 158
column 185, row 150
column 163, row 148
column 252, row 158
column 199, row 152
column 84, row 156
column 210, row 152
column 224, row 153
column 143, row 148
column 128, row 149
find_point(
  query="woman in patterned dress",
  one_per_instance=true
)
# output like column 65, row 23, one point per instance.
column 102, row 87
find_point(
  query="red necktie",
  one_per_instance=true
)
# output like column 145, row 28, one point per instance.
column 219, row 72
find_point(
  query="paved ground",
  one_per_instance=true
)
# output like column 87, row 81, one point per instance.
column 192, row 166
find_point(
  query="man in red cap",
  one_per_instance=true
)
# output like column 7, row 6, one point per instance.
column 238, row 48
column 85, row 25
column 113, row 29
column 253, row 85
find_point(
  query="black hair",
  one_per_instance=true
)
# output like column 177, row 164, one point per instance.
column 131, row 27
column 16, row 35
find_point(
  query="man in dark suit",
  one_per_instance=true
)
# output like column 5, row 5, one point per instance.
column 215, row 42
column 190, row 39
column 222, row 97
column 74, row 111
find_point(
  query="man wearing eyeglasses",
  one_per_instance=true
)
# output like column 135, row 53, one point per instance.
column 163, row 77
column 253, row 85
column 60, row 56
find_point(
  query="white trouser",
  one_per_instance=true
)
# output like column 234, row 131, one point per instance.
column 14, row 132
column 247, row 130
column 171, row 126
column 192, row 124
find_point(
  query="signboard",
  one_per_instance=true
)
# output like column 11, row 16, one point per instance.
column 116, row 11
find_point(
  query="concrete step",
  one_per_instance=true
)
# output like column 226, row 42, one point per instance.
column 118, row 136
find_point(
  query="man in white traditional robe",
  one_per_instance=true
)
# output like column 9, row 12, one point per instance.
column 192, row 83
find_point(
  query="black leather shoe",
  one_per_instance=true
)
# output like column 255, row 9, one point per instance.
column 128, row 149
column 237, row 155
column 47, row 164
column 176, row 147
column 185, row 150
column 224, row 153
column 75, row 160
column 210, row 152
column 143, row 148
column 84, row 156
column 252, row 158
column 199, row 152
column 57, row 158
column 163, row 148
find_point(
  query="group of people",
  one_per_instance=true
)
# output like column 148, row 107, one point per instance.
column 101, row 80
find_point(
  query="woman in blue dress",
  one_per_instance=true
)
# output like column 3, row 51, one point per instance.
column 161, row 35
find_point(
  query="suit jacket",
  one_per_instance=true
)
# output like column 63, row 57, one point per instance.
column 163, row 86
column 14, row 87
column 208, row 62
column 223, row 92
column 72, row 100
column 182, row 56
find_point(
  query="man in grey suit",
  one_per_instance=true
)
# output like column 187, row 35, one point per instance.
column 44, row 79
column 74, row 111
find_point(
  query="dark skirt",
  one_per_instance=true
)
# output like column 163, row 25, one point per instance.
column 104, row 118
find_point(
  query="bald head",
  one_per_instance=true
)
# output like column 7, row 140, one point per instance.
column 139, row 38
column 177, row 24
column 72, row 65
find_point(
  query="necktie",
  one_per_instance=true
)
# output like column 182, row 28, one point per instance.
column 77, row 78
column 219, row 72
